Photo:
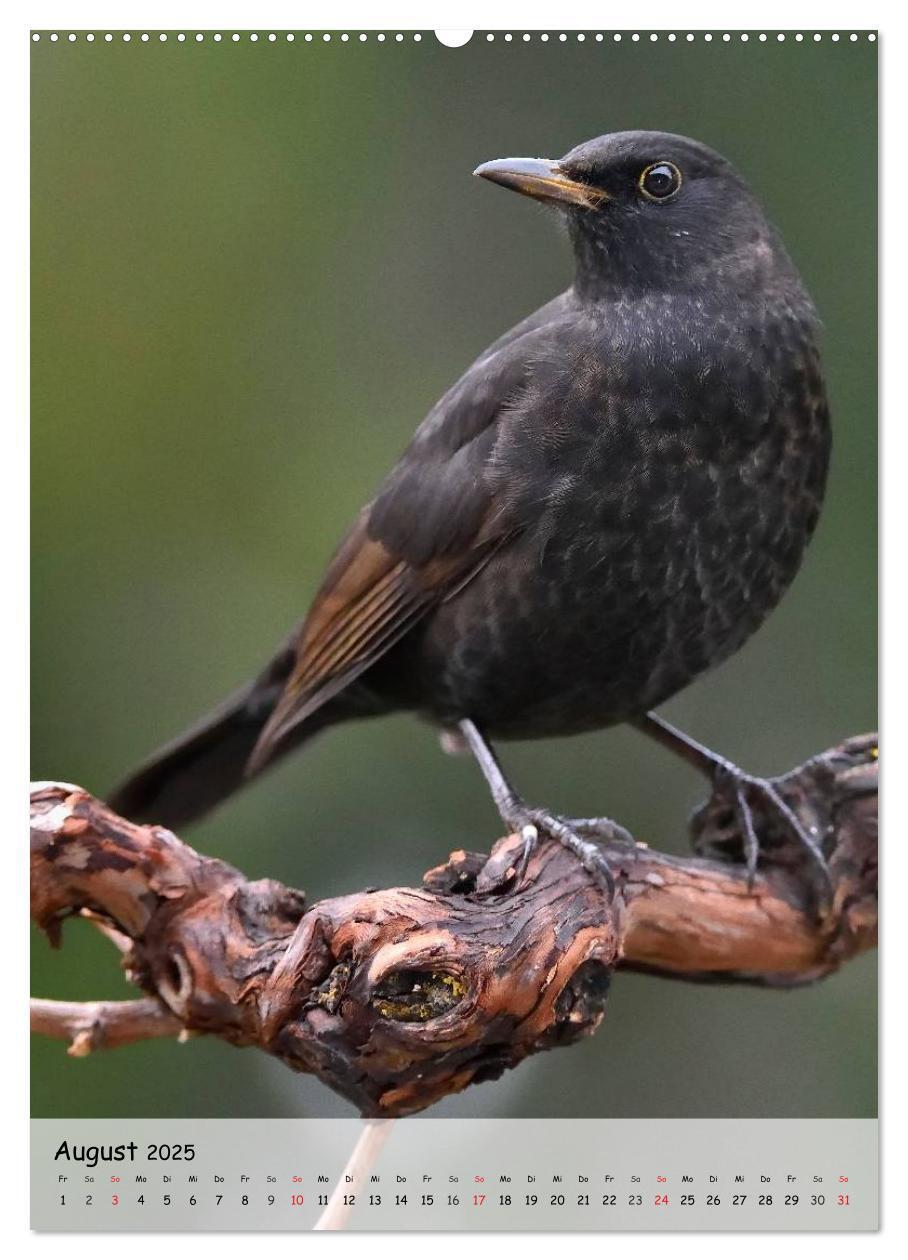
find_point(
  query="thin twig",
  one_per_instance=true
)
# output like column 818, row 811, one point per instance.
column 363, row 1158
column 89, row 1026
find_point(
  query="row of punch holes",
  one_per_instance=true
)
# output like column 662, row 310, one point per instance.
column 454, row 39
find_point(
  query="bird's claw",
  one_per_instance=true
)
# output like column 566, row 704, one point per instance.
column 744, row 794
column 530, row 837
column 530, row 822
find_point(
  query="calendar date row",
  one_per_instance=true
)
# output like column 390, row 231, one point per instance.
column 456, row 1200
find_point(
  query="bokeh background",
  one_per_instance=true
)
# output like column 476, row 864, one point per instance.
column 255, row 267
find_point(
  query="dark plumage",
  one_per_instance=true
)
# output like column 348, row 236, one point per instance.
column 608, row 502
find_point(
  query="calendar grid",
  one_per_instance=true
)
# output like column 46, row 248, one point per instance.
column 123, row 1175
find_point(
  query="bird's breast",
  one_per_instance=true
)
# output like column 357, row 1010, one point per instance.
column 667, row 498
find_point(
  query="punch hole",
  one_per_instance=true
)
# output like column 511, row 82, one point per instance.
column 453, row 39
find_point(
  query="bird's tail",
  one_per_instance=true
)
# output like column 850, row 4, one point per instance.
column 202, row 767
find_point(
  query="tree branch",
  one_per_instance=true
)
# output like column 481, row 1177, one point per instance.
column 398, row 997
column 91, row 1026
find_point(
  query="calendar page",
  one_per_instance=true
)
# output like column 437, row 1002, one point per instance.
column 454, row 552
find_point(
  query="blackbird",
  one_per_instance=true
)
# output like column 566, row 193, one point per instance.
column 608, row 502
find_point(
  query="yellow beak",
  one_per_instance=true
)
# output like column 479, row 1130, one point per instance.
column 541, row 179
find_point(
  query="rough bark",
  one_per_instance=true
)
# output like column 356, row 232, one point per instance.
column 397, row 997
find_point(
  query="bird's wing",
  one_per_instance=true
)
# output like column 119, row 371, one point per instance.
column 433, row 525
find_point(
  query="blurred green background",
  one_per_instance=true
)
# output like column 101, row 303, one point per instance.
column 255, row 267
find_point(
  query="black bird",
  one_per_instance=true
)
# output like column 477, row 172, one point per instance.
column 608, row 502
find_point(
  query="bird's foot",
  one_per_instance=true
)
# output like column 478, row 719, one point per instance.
column 530, row 822
column 753, row 813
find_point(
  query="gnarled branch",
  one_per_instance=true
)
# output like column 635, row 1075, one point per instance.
column 398, row 997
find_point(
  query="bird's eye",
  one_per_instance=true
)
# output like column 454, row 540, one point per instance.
column 660, row 181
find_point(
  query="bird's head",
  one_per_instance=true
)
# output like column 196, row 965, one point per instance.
column 647, row 209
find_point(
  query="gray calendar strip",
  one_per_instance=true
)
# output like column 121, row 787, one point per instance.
column 135, row 1175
